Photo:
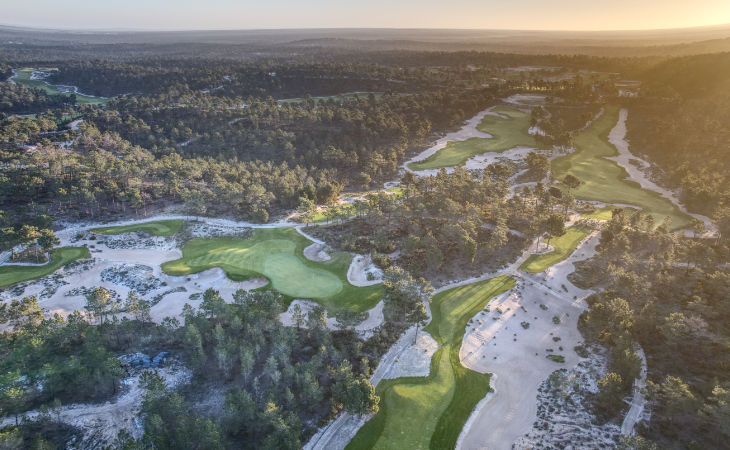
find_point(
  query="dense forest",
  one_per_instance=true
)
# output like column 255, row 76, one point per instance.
column 682, row 122
column 669, row 294
column 255, row 133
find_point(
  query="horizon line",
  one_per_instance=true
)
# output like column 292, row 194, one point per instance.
column 199, row 30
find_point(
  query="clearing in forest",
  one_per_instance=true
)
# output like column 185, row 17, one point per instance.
column 509, row 129
column 154, row 228
column 13, row 274
column 604, row 180
column 563, row 247
column 278, row 254
column 23, row 76
column 423, row 412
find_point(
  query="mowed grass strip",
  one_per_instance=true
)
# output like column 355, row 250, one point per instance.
column 277, row 254
column 430, row 412
column 154, row 228
column 604, row 180
column 507, row 133
column 606, row 213
column 23, row 77
column 564, row 246
column 13, row 274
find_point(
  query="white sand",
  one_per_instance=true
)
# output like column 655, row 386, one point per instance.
column 617, row 137
column 364, row 329
column 415, row 359
column 519, row 362
column 360, row 266
column 316, row 252
column 468, row 131
column 102, row 422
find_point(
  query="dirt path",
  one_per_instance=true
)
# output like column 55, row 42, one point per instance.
column 638, row 401
column 617, row 137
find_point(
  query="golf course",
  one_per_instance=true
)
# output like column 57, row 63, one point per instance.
column 604, row 180
column 563, row 247
column 154, row 228
column 277, row 254
column 430, row 412
column 509, row 129
column 13, row 274
column 23, row 76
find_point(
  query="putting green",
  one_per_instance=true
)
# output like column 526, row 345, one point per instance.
column 430, row 412
column 507, row 132
column 604, row 180
column 155, row 228
column 22, row 76
column 277, row 254
column 564, row 246
column 13, row 274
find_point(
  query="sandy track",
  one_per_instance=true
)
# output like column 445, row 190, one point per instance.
column 638, row 400
column 498, row 344
column 617, row 137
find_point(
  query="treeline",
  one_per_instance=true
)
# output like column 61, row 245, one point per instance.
column 682, row 122
column 18, row 99
column 451, row 224
column 280, row 382
column 669, row 294
column 264, row 163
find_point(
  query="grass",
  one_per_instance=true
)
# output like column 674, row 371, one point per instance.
column 506, row 133
column 154, row 228
column 606, row 213
column 604, row 180
column 22, row 76
column 430, row 412
column 277, row 254
column 13, row 274
column 564, row 245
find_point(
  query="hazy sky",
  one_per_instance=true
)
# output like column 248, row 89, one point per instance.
column 240, row 14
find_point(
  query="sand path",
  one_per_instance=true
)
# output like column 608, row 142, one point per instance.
column 516, row 356
column 617, row 137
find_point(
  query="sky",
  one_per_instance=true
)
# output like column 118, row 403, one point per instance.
column 259, row 14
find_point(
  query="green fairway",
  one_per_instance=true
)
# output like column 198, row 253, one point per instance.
column 507, row 133
column 22, row 76
column 564, row 246
column 606, row 213
column 430, row 412
column 155, row 228
column 604, row 180
column 277, row 254
column 13, row 274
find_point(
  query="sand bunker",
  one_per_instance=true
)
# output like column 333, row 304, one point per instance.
column 360, row 267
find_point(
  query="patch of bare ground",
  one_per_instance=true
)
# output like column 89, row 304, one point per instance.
column 564, row 405
column 100, row 423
